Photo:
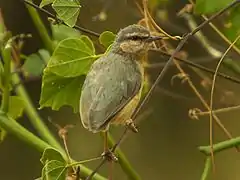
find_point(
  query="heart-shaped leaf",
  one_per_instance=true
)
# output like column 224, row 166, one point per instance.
column 210, row 6
column 16, row 107
column 15, row 110
column 33, row 65
column 67, row 10
column 232, row 25
column 51, row 154
column 45, row 2
column 55, row 170
column 58, row 91
column 55, row 166
column 61, row 32
column 72, row 57
column 1, row 74
column 106, row 38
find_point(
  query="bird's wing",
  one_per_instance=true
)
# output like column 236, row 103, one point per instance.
column 108, row 87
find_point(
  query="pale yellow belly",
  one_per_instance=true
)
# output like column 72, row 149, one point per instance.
column 126, row 113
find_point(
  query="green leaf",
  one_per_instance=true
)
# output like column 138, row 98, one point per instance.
column 61, row 32
column 106, row 38
column 58, row 91
column 44, row 54
column 16, row 107
column 72, row 57
column 45, row 2
column 210, row 6
column 1, row 74
column 55, row 166
column 3, row 134
column 51, row 154
column 232, row 25
column 67, row 10
column 34, row 65
column 54, row 170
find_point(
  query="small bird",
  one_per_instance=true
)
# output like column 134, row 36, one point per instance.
column 112, row 88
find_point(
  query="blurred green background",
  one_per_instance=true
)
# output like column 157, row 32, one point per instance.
column 166, row 146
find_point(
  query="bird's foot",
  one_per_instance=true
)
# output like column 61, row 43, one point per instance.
column 130, row 124
column 109, row 155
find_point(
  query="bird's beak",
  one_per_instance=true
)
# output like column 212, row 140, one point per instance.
column 154, row 38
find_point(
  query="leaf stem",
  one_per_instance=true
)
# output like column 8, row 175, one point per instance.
column 34, row 117
column 234, row 142
column 123, row 161
column 41, row 28
column 13, row 127
column 207, row 168
column 83, row 161
column 7, row 74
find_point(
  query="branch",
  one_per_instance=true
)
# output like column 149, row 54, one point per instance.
column 59, row 20
column 198, row 66
column 161, row 74
column 13, row 127
column 41, row 28
column 180, row 45
column 32, row 114
column 207, row 168
column 218, row 147
column 6, row 52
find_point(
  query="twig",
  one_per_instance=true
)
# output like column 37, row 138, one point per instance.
column 161, row 74
column 190, row 63
column 180, row 45
column 40, row 28
column 87, row 31
column 212, row 91
column 218, row 147
column 13, row 127
column 236, row 49
column 221, row 110
column 207, row 168
column 6, row 52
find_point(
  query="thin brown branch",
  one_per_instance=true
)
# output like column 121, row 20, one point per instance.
column 198, row 66
column 212, row 91
column 162, row 73
column 87, row 31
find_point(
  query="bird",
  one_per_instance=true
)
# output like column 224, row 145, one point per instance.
column 112, row 88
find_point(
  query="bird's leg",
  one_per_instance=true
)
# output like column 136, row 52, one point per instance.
column 108, row 154
column 130, row 124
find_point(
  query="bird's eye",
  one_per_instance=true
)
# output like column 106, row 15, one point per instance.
column 135, row 38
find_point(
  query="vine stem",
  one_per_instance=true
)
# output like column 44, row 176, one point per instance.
column 218, row 147
column 41, row 28
column 13, row 127
column 7, row 73
column 207, row 168
column 34, row 117
column 123, row 161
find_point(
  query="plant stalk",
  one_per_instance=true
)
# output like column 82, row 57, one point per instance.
column 41, row 28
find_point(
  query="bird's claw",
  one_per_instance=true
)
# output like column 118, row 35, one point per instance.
column 109, row 155
column 130, row 124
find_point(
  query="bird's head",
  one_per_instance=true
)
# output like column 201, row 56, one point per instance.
column 134, row 39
